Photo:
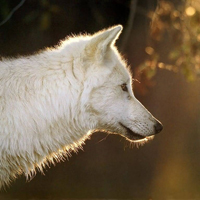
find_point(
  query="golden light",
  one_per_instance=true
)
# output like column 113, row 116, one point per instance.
column 198, row 37
column 190, row 11
column 161, row 65
column 138, row 143
column 176, row 13
column 149, row 50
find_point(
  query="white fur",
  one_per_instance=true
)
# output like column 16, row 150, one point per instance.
column 51, row 102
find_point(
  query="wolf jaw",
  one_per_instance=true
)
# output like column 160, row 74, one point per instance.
column 132, row 135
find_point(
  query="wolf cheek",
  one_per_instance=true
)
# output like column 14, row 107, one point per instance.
column 126, row 117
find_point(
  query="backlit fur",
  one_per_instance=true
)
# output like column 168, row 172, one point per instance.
column 52, row 101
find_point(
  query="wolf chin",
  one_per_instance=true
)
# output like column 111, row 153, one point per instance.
column 52, row 101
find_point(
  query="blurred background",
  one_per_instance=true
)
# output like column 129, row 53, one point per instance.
column 161, row 42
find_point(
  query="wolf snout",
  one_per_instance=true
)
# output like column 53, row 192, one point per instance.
column 158, row 127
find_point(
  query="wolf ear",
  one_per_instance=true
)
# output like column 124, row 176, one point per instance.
column 101, row 41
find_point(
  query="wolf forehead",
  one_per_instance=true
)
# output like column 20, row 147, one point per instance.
column 97, row 50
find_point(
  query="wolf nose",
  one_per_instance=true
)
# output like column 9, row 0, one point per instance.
column 158, row 127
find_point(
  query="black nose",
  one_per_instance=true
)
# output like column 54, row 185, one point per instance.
column 158, row 127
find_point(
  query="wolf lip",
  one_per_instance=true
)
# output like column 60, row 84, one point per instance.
column 132, row 135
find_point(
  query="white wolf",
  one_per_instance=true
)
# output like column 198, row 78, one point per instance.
column 52, row 101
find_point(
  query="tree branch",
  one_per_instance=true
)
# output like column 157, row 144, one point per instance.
column 12, row 12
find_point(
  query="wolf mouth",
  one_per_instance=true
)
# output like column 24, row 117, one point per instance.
column 132, row 135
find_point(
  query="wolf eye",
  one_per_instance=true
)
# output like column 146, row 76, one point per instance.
column 124, row 87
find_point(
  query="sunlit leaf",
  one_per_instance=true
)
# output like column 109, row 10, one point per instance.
column 174, row 54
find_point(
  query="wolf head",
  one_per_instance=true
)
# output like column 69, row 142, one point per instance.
column 107, row 95
column 107, row 99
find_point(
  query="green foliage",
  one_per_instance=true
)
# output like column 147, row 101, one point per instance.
column 179, row 26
